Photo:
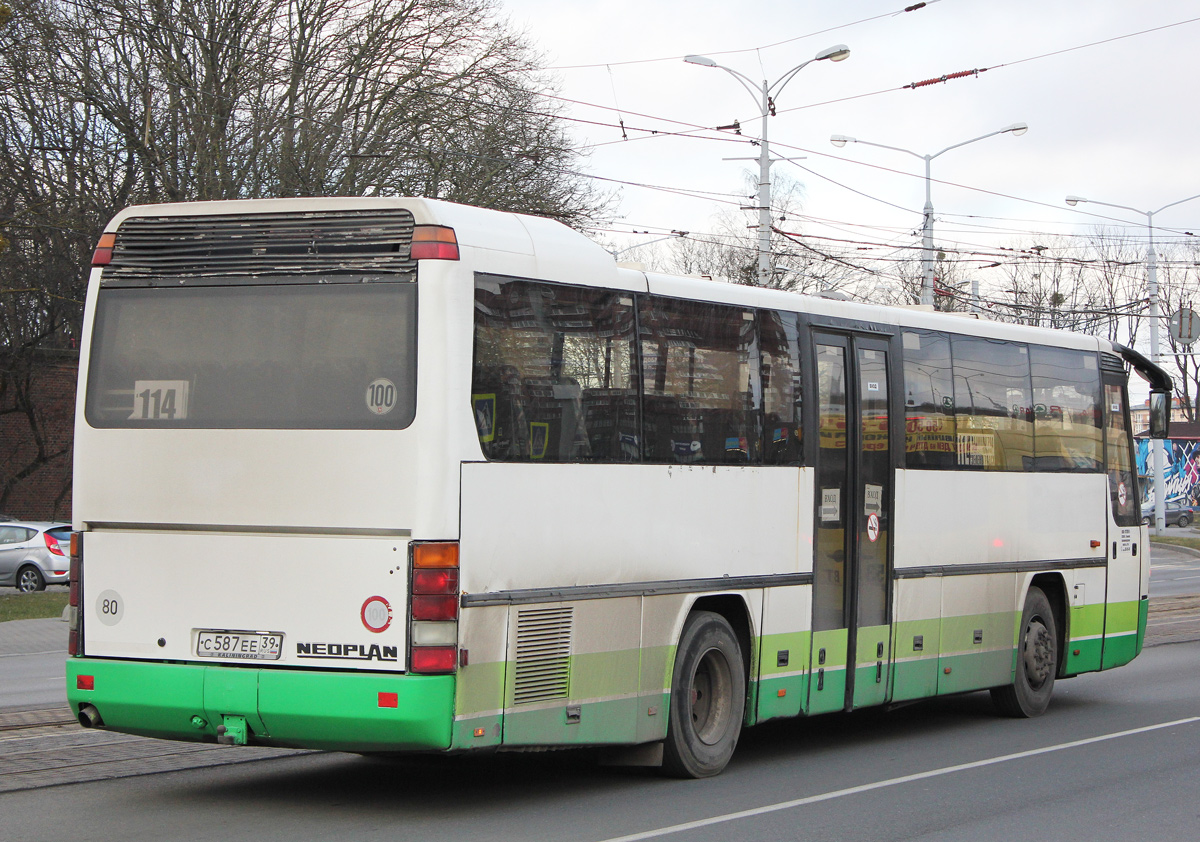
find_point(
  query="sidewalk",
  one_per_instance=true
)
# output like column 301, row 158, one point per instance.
column 33, row 637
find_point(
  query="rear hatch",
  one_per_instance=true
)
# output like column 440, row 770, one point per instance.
column 245, row 456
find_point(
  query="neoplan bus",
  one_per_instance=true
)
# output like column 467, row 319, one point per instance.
column 382, row 475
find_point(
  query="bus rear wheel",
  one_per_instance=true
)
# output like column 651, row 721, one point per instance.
column 1037, row 661
column 708, row 698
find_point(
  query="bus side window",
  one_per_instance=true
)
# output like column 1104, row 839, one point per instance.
column 1066, row 409
column 993, row 404
column 552, row 378
column 779, row 336
column 1119, row 447
column 930, row 439
column 701, row 377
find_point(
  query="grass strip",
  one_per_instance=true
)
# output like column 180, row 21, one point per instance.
column 31, row 606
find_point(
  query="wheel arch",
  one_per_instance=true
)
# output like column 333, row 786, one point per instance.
column 735, row 611
column 1055, row 588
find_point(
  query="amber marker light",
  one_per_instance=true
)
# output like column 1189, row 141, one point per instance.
column 435, row 554
column 102, row 256
column 434, row 242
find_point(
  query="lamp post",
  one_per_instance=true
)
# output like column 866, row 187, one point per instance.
column 839, row 140
column 1157, row 446
column 767, row 104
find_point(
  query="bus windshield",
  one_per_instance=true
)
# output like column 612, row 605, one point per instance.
column 274, row 356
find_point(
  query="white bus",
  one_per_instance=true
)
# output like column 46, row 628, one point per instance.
column 380, row 475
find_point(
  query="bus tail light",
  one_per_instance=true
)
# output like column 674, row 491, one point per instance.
column 434, row 242
column 433, row 615
column 75, row 632
column 434, row 659
column 102, row 256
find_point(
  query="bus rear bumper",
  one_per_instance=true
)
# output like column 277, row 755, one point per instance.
column 336, row 711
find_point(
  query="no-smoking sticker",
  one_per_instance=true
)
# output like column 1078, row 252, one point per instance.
column 873, row 527
column 1122, row 494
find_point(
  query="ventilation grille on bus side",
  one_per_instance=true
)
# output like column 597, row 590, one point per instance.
column 281, row 244
column 1113, row 363
column 543, row 669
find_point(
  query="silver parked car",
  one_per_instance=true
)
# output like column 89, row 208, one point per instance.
column 34, row 554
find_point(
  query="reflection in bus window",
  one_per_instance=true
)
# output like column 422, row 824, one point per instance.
column 1066, row 409
column 829, row 558
column 701, row 376
column 993, row 411
column 782, row 431
column 1121, row 485
column 930, row 440
column 553, row 379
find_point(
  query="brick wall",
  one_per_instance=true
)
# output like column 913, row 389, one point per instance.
column 42, row 490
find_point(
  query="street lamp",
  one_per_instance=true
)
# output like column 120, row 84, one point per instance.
column 767, row 103
column 1157, row 447
column 840, row 140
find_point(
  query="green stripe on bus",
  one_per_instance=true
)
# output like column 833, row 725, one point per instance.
column 1143, row 616
column 1086, row 621
column 598, row 722
column 1122, row 617
column 796, row 644
column 1088, row 659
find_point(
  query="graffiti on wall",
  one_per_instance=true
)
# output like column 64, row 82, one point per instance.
column 1181, row 472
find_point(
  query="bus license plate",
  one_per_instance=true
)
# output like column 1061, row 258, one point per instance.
column 243, row 645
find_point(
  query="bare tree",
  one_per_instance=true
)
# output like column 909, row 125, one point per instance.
column 104, row 103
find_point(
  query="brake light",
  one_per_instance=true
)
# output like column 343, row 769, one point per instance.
column 434, row 242
column 102, row 256
column 75, row 633
column 433, row 612
column 429, row 659
column 435, row 607
column 435, row 581
column 52, row 544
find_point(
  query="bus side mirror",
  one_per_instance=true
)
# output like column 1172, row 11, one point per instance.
column 1160, row 414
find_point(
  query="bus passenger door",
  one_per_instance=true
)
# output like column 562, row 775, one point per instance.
column 851, row 611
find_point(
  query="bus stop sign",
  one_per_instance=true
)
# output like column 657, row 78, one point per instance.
column 1185, row 326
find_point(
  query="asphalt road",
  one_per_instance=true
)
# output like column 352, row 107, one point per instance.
column 1173, row 572
column 1117, row 757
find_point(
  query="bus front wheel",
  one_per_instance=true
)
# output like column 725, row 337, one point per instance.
column 1037, row 661
column 708, row 698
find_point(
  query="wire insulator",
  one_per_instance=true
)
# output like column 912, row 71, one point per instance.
column 960, row 74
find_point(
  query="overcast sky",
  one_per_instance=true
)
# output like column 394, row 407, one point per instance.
column 1115, row 121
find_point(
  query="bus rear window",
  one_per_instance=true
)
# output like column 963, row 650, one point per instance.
column 294, row 356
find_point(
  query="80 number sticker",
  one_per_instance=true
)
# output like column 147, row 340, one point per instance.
column 110, row 607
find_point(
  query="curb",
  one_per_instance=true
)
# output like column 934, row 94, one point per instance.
column 1180, row 548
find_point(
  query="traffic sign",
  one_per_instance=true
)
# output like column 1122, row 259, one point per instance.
column 1185, row 326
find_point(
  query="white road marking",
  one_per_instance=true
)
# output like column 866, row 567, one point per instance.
column 27, row 654
column 920, row 776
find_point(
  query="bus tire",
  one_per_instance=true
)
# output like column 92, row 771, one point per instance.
column 1037, row 661
column 708, row 698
